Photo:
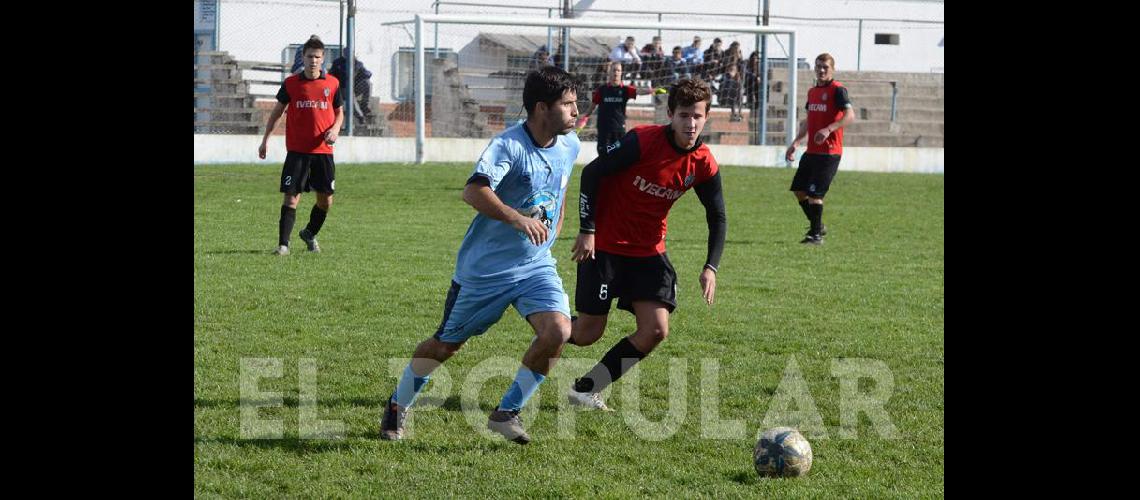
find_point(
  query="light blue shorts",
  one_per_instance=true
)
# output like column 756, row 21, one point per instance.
column 471, row 310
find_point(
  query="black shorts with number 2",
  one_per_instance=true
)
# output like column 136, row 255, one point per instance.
column 627, row 278
column 308, row 172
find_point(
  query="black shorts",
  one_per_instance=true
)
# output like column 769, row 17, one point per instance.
column 607, row 137
column 628, row 278
column 308, row 172
column 815, row 174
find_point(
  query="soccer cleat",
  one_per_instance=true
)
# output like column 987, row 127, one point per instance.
column 310, row 240
column 508, row 424
column 812, row 240
column 281, row 250
column 588, row 400
column 822, row 231
column 392, row 426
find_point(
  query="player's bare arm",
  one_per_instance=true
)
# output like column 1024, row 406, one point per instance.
column 278, row 110
column 790, row 155
column 485, row 200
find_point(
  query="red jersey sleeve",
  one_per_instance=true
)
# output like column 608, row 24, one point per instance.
column 597, row 99
column 630, row 92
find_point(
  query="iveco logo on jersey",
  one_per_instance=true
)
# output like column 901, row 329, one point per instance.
column 311, row 104
column 817, row 107
column 618, row 99
column 656, row 190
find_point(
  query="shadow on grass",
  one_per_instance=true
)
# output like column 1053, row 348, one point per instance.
column 451, row 403
column 291, row 444
column 239, row 252
column 744, row 477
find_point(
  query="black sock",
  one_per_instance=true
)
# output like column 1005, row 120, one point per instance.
column 804, row 206
column 316, row 220
column 815, row 214
column 285, row 224
column 610, row 368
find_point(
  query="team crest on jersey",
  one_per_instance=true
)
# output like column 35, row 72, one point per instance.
column 689, row 180
column 611, row 147
column 327, row 93
column 824, row 96
column 539, row 206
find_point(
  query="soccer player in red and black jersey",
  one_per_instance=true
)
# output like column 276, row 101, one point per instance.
column 828, row 111
column 625, row 199
column 610, row 100
column 315, row 115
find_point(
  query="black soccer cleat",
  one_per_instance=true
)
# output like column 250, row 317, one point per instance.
column 392, row 425
column 310, row 240
column 822, row 230
column 816, row 240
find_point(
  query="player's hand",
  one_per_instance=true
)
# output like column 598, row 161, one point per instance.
column 583, row 247
column 790, row 154
column 821, row 135
column 534, row 229
column 708, row 285
column 330, row 137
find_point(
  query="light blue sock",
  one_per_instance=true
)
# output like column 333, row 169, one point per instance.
column 409, row 387
column 526, row 382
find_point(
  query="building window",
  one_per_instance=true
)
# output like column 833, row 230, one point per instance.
column 886, row 39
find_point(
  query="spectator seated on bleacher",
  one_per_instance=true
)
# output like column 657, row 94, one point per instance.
column 693, row 55
column 541, row 58
column 730, row 92
column 676, row 67
column 714, row 56
column 652, row 58
column 752, row 81
column 361, row 85
column 627, row 55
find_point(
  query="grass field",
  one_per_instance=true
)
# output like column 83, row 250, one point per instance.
column 873, row 292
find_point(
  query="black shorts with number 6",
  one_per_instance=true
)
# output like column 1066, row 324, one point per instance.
column 308, row 172
column 627, row 278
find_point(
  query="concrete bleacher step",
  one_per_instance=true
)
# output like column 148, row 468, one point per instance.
column 887, row 127
column 894, row 140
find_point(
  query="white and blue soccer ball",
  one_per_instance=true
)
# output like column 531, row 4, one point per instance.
column 782, row 452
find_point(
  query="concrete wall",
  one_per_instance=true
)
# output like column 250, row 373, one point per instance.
column 243, row 149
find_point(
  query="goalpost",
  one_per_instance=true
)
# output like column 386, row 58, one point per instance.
column 569, row 24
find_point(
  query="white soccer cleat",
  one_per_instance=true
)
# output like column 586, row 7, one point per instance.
column 281, row 250
column 588, row 400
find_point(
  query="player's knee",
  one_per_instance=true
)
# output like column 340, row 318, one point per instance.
column 588, row 330
column 555, row 333
column 325, row 203
column 654, row 335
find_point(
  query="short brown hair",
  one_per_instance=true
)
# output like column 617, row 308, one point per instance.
column 826, row 57
column 314, row 42
column 689, row 91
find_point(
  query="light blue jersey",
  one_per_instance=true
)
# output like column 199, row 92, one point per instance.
column 529, row 179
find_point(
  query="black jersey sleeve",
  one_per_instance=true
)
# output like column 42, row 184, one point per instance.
column 338, row 98
column 282, row 95
column 842, row 100
column 712, row 197
column 621, row 155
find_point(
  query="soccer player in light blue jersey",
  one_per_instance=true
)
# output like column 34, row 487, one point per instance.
column 518, row 188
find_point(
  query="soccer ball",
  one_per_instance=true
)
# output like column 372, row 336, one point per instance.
column 782, row 452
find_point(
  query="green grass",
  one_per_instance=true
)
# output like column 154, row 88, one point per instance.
column 873, row 291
